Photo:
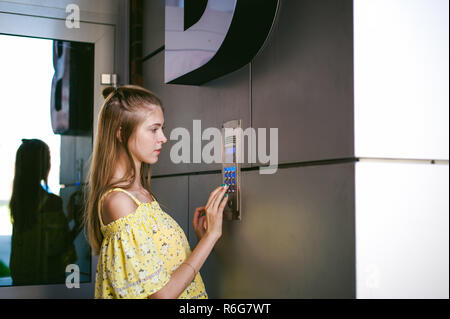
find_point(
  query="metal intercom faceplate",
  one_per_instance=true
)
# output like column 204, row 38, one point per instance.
column 231, row 173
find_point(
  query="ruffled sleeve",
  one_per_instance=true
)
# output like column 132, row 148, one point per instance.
column 132, row 264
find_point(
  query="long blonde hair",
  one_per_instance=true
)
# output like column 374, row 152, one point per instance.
column 121, row 112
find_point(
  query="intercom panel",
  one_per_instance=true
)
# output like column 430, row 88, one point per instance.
column 231, row 173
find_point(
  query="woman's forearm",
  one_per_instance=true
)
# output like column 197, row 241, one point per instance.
column 184, row 275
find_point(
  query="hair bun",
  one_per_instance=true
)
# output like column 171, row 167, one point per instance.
column 107, row 91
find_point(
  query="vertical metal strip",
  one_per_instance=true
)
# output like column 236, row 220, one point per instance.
column 136, row 13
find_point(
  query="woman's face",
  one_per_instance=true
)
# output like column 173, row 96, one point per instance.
column 146, row 141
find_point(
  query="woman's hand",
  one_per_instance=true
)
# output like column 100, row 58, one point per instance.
column 214, row 211
column 208, row 218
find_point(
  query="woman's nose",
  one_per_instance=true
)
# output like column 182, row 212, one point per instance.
column 164, row 139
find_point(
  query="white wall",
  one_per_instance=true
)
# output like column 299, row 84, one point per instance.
column 401, row 65
column 401, row 70
column 402, row 230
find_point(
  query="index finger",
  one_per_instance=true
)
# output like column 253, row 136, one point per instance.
column 212, row 195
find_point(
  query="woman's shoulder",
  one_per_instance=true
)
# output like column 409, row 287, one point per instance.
column 115, row 205
column 51, row 202
column 54, row 198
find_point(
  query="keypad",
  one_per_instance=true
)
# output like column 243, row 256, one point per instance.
column 230, row 178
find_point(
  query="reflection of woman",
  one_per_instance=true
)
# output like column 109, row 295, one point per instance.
column 41, row 245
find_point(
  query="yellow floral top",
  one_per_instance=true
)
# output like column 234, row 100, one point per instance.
column 139, row 253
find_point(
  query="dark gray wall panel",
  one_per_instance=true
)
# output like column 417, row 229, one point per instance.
column 172, row 196
column 295, row 240
column 153, row 25
column 216, row 102
column 122, row 56
column 302, row 81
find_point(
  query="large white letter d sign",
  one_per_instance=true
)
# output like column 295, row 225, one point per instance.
column 208, row 39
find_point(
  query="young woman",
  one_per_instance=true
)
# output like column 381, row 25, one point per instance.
column 143, row 252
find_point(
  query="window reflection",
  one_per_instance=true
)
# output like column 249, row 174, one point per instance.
column 37, row 248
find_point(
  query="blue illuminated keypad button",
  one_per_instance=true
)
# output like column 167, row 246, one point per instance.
column 233, row 174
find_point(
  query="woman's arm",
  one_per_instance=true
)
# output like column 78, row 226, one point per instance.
column 184, row 274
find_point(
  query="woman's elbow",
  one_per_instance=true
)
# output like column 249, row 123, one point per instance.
column 157, row 295
column 160, row 294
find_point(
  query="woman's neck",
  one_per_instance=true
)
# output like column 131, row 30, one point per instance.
column 121, row 170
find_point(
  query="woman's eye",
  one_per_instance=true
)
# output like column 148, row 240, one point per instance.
column 154, row 130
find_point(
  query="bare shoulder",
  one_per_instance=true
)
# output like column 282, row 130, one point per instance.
column 116, row 205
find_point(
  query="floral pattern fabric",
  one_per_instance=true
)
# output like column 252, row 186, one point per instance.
column 139, row 253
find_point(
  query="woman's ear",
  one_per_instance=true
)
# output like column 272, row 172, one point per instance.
column 119, row 134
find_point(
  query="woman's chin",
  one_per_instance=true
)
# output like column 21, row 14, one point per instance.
column 152, row 160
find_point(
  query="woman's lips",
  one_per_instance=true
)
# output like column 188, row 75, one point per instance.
column 158, row 151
